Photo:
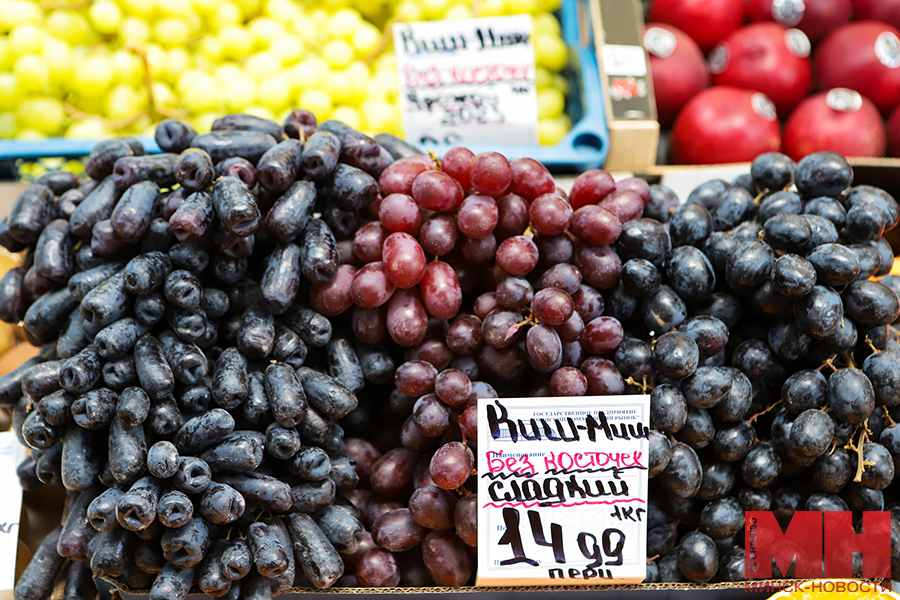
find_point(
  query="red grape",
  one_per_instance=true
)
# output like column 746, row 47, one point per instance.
column 478, row 252
column 371, row 286
column 332, row 297
column 530, row 178
column 370, row 324
column 544, row 348
column 468, row 422
column 368, row 241
column 636, row 185
column 571, row 330
column 440, row 290
column 564, row 276
column 404, row 260
column 602, row 335
column 395, row 530
column 365, row 455
column 464, row 334
column 550, row 214
column 477, row 216
column 452, row 465
column 512, row 216
column 485, row 304
column 457, row 163
column 398, row 178
column 596, row 225
column 603, row 377
column 392, row 473
column 399, row 212
column 407, row 320
column 446, row 559
column 552, row 306
column 432, row 350
column 517, row 256
column 625, row 204
column 590, row 188
column 415, row 378
column 453, row 387
column 491, row 174
column 514, row 293
column 377, row 568
column 437, row 191
column 568, row 381
column 600, row 265
column 432, row 507
column 438, row 234
column 431, row 416
column 465, row 518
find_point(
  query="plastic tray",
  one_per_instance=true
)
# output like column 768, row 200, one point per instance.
column 584, row 147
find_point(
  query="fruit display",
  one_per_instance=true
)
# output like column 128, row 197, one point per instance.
column 821, row 70
column 261, row 351
column 91, row 69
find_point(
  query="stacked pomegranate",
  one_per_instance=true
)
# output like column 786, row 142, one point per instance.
column 737, row 78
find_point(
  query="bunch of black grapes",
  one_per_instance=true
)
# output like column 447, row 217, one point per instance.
column 755, row 318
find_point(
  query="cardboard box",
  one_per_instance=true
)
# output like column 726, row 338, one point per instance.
column 618, row 27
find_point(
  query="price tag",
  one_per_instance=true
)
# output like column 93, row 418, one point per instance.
column 468, row 81
column 562, row 490
column 12, row 453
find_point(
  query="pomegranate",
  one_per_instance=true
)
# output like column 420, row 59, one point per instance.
column 677, row 67
column 863, row 56
column 725, row 124
column 708, row 22
column 886, row 11
column 767, row 58
column 815, row 18
column 839, row 120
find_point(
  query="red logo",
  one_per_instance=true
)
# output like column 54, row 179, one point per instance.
column 821, row 543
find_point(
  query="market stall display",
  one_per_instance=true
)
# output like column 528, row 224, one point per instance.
column 261, row 351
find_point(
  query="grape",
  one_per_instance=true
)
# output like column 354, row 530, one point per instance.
column 596, row 225
column 371, row 286
column 477, row 216
column 457, row 163
column 491, row 174
column 453, row 387
column 602, row 335
column 452, row 465
column 438, row 234
column 513, row 215
column 568, row 381
column 400, row 213
column 590, row 188
column 404, row 260
column 415, row 378
column 441, row 293
column 530, row 179
column 433, row 508
column 437, row 191
column 550, row 214
column 377, row 568
column 517, row 256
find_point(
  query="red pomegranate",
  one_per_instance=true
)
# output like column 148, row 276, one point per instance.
column 815, row 18
column 708, row 22
column 767, row 58
column 677, row 67
column 725, row 125
column 893, row 134
column 839, row 120
column 863, row 56
column 886, row 11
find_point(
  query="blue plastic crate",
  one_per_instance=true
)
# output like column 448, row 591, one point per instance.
column 584, row 147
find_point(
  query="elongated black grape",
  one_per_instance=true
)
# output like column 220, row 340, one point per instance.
column 80, row 458
column 212, row 580
column 14, row 297
column 277, row 168
column 136, row 508
column 172, row 583
column 56, row 408
column 173, row 135
column 80, row 583
column 282, row 442
column 263, row 490
column 150, row 309
column 398, row 147
column 288, row 347
column 356, row 148
column 42, row 379
column 287, row 397
column 127, row 451
column 165, row 417
column 236, row 559
column 269, row 555
column 230, row 379
column 158, row 168
column 311, row 464
column 107, row 302
column 193, row 475
column 153, row 370
column 341, row 528
column 327, row 394
column 245, row 122
column 316, row 556
column 103, row 157
column 120, row 373
column 111, row 554
column 319, row 257
column 310, row 497
column 102, row 510
column 222, row 504
column 38, row 433
column 145, row 273
column 320, row 154
column 174, row 509
column 238, row 452
column 32, row 211
column 280, row 279
column 46, row 315
column 193, row 219
column 39, row 577
column 119, row 338
column 235, row 206
column 203, row 431
column 77, row 531
column 96, row 207
column 53, row 259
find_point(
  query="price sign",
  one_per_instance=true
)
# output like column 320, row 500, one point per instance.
column 467, row 81
column 562, row 490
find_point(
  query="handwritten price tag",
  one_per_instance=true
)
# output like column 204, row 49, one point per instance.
column 467, row 81
column 562, row 490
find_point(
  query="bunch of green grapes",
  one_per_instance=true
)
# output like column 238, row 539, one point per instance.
column 92, row 68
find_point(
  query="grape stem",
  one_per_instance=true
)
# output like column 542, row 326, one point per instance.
column 861, row 463
column 462, row 491
column 849, row 358
column 759, row 414
column 871, row 345
column 435, row 161
column 643, row 385
column 652, row 558
column 829, row 362
column 887, row 416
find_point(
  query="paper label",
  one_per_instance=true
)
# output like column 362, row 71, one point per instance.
column 562, row 490
column 12, row 453
column 468, row 81
column 624, row 60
